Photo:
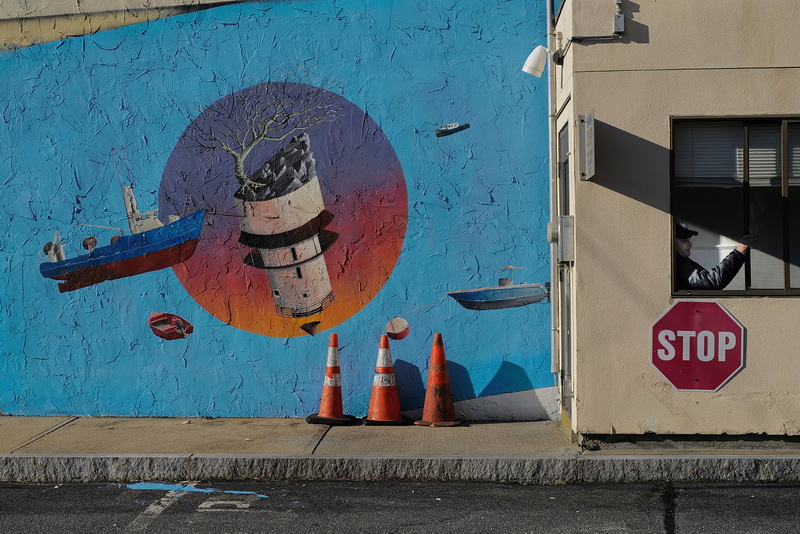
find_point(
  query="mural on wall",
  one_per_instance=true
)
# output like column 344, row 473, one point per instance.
column 296, row 183
column 269, row 262
column 150, row 246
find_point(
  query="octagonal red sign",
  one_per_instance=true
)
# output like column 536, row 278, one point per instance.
column 697, row 345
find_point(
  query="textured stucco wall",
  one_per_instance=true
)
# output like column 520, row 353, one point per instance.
column 716, row 58
column 24, row 22
column 476, row 201
column 21, row 9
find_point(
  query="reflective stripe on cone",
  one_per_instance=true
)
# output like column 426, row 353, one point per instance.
column 330, row 405
column 384, row 402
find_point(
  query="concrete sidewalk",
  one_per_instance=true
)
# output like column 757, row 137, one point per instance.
column 96, row 449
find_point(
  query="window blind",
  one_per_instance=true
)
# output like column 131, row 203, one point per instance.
column 709, row 153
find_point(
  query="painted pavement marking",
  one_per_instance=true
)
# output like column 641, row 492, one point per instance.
column 155, row 509
column 224, row 504
column 176, row 491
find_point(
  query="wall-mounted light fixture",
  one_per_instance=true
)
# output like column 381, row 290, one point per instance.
column 536, row 61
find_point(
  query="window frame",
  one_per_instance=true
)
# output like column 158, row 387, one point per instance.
column 746, row 121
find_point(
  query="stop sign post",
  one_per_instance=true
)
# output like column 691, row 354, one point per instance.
column 697, row 345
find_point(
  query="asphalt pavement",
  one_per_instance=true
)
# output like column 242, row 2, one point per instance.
column 102, row 449
column 406, row 507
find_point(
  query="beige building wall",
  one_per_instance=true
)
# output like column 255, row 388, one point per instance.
column 28, row 22
column 715, row 58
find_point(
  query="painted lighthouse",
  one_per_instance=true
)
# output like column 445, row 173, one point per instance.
column 283, row 220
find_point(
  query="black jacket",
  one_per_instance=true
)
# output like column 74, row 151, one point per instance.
column 691, row 275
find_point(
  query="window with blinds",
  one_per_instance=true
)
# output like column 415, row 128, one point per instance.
column 708, row 154
column 732, row 177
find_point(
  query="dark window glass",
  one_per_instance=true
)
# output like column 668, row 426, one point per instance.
column 766, row 205
column 793, row 203
column 737, row 177
column 563, row 171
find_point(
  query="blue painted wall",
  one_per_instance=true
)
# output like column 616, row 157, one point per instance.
column 477, row 201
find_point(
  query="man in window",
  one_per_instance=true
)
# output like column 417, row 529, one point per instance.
column 691, row 275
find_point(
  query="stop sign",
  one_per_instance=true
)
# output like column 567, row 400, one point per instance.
column 697, row 345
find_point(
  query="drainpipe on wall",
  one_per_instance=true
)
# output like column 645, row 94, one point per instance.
column 555, row 367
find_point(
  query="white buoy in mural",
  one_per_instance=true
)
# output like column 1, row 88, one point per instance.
column 397, row 328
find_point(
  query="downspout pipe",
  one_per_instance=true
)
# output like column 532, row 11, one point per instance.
column 555, row 367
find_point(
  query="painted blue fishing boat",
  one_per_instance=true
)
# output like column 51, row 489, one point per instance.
column 504, row 295
column 151, row 246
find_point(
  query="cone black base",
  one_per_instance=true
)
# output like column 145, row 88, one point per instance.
column 406, row 420
column 335, row 421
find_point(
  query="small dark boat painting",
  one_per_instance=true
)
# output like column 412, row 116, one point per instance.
column 502, row 296
column 449, row 129
column 170, row 326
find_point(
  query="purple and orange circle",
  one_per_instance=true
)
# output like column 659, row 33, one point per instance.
column 362, row 185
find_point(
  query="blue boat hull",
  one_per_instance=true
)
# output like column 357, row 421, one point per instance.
column 500, row 297
column 129, row 255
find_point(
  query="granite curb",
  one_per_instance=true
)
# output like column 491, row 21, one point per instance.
column 535, row 470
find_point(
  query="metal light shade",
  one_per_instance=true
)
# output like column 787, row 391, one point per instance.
column 536, row 61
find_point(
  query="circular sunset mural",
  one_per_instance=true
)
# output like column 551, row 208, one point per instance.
column 306, row 208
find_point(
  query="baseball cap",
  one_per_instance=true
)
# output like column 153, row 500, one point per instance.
column 682, row 231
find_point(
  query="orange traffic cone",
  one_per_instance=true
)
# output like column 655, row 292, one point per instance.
column 330, row 407
column 438, row 409
column 384, row 403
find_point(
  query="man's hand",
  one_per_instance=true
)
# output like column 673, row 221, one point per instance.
column 745, row 242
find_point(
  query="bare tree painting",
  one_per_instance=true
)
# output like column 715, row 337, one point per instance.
column 269, row 111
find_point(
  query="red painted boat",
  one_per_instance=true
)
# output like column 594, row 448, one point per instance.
column 170, row 326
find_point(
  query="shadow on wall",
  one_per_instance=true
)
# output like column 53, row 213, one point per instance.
column 410, row 388
column 641, row 171
column 635, row 31
column 620, row 170
column 509, row 378
column 460, row 382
